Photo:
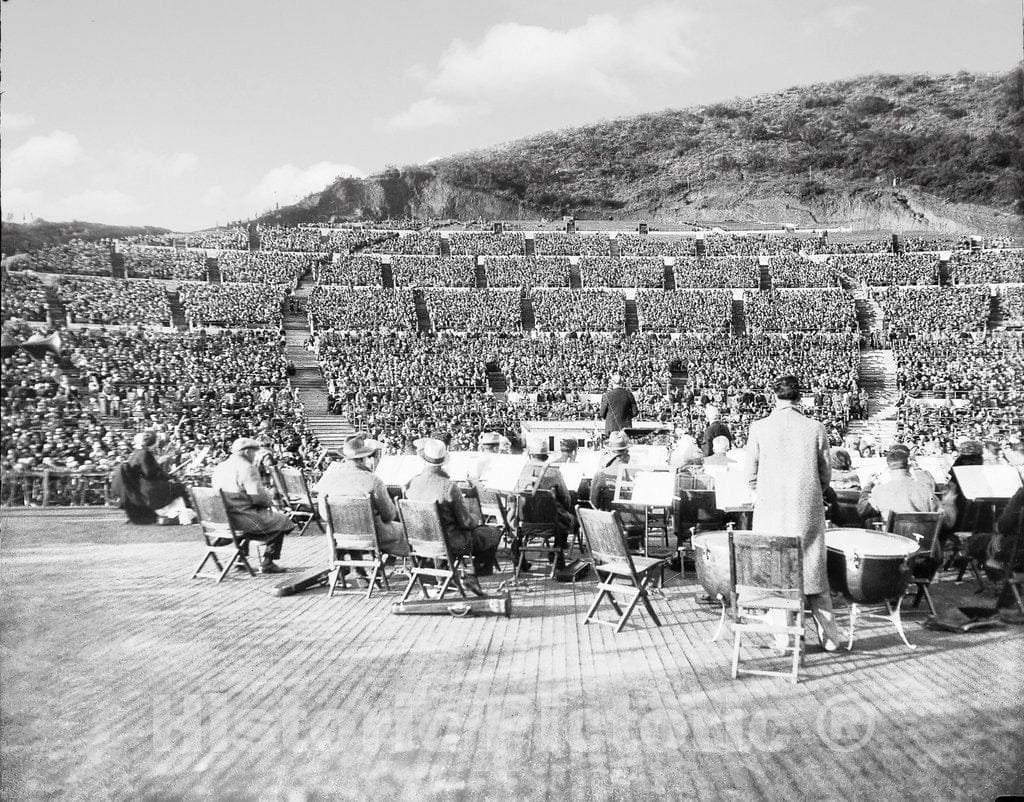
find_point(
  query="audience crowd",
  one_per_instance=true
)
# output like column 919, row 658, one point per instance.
column 164, row 262
column 263, row 267
column 333, row 307
column 352, row 271
column 885, row 269
column 603, row 271
column 474, row 310
column 112, row 301
column 579, row 310
column 433, row 271
column 796, row 271
column 24, row 298
column 825, row 310
column 198, row 392
column 985, row 267
column 717, row 273
column 699, row 311
column 940, row 311
column 522, row 271
column 234, row 304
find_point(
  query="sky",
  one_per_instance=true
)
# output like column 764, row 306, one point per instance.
column 193, row 113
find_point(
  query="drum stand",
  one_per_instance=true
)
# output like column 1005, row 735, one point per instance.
column 892, row 614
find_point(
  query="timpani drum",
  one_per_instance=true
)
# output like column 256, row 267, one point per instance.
column 711, row 557
column 868, row 567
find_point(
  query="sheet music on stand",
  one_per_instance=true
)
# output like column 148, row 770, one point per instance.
column 502, row 472
column 937, row 466
column 645, row 488
column 731, row 488
column 572, row 474
column 648, row 457
column 397, row 470
column 589, row 461
column 987, row 481
column 462, row 465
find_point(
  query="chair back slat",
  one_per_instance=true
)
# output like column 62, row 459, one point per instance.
column 295, row 483
column 920, row 526
column 538, row 507
column 423, row 529
column 605, row 535
column 350, row 524
column 767, row 564
column 211, row 512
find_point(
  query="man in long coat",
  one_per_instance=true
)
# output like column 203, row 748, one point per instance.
column 788, row 467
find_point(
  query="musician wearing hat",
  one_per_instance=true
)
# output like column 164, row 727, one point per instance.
column 249, row 504
column 462, row 526
column 618, row 406
column 613, row 461
column 487, row 443
column 539, row 474
column 355, row 477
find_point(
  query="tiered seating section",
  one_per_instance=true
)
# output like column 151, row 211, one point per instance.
column 376, row 288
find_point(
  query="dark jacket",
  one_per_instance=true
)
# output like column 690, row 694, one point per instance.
column 618, row 408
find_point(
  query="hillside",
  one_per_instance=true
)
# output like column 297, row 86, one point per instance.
column 825, row 153
column 21, row 237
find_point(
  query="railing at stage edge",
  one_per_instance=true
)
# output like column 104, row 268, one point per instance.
column 63, row 488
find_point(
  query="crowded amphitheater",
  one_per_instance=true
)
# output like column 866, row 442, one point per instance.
column 401, row 333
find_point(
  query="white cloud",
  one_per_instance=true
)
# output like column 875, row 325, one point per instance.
column 430, row 113
column 13, row 121
column 288, row 183
column 39, row 156
column 845, row 16
column 607, row 56
column 164, row 165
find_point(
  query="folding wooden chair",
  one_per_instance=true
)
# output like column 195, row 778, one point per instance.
column 293, row 492
column 923, row 527
column 492, row 508
column 612, row 559
column 350, row 528
column 218, row 533
column 767, row 574
column 535, row 530
column 430, row 552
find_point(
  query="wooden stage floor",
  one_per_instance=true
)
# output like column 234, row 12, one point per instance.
column 122, row 679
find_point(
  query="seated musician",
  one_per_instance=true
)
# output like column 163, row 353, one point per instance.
column 539, row 474
column 463, row 527
column 898, row 492
column 151, row 494
column 567, row 448
column 1006, row 549
column 249, row 504
column 487, row 443
column 355, row 477
column 602, row 487
column 720, row 446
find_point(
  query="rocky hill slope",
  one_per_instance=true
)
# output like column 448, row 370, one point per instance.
column 881, row 151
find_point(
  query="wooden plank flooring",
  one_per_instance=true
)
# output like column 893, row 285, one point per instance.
column 123, row 679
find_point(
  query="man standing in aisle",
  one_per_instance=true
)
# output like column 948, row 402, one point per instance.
column 788, row 467
column 618, row 406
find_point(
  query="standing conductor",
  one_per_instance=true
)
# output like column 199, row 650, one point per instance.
column 618, row 406
column 788, row 466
